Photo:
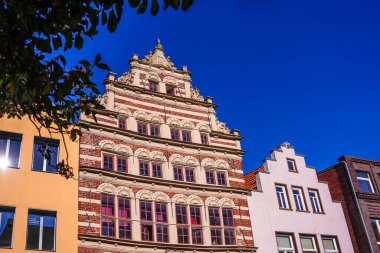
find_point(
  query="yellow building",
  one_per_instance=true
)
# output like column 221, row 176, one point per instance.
column 38, row 207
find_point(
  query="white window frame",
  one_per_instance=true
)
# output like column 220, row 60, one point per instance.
column 315, row 249
column 368, row 179
column 45, row 160
column 336, row 250
column 8, row 146
column 298, row 198
column 282, row 202
column 13, row 226
column 294, row 164
column 378, row 229
column 286, row 250
column 315, row 201
column 41, row 235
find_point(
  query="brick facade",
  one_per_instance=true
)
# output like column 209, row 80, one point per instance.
column 369, row 202
column 129, row 98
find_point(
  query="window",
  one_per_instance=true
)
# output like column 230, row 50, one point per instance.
column 285, row 243
column 298, row 199
column 221, row 178
column 196, row 223
column 147, row 218
column 174, row 134
column 291, row 165
column 108, row 215
column 6, row 226
column 40, row 163
column 122, row 123
column 196, row 235
column 161, row 223
column 41, row 230
column 204, row 138
column 308, row 243
column 215, row 226
column 364, row 181
column 141, row 127
column 10, row 146
column 156, row 170
column 121, row 164
column 330, row 244
column 186, row 136
column 124, row 221
column 153, row 86
column 189, row 175
column 210, row 177
column 229, row 236
column 108, row 162
column 216, row 236
column 178, row 175
column 282, row 197
column 144, row 168
column 228, row 219
column 315, row 202
column 170, row 90
column 181, row 218
column 154, row 130
column 376, row 229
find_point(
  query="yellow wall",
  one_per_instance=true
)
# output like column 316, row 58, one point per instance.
column 23, row 189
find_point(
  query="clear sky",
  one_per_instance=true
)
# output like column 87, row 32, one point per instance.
column 306, row 72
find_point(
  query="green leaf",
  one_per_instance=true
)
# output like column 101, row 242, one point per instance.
column 134, row 3
column 57, row 42
column 98, row 57
column 103, row 66
column 154, row 8
column 175, row 4
column 112, row 21
column 104, row 17
column 142, row 7
column 186, row 4
column 78, row 43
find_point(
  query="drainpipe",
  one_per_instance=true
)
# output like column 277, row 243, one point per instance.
column 358, row 206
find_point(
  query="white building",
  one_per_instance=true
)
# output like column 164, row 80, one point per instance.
column 291, row 211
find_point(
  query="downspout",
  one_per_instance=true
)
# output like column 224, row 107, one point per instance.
column 358, row 206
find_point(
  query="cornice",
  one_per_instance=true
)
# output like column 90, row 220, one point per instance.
column 168, row 246
column 159, row 94
column 164, row 182
column 161, row 140
column 369, row 196
column 226, row 136
column 359, row 160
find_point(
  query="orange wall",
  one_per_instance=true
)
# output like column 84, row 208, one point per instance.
column 23, row 189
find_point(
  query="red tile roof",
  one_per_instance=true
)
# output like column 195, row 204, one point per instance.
column 250, row 178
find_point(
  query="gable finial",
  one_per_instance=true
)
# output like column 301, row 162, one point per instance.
column 159, row 45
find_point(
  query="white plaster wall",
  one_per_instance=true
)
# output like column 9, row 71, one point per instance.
column 267, row 218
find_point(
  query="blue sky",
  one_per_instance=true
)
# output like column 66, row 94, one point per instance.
column 306, row 72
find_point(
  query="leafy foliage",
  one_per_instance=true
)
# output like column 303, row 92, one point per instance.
column 34, row 79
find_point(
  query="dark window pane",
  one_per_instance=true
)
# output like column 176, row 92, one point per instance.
column 38, row 159
column 108, row 227
column 183, row 234
column 14, row 153
column 221, row 178
column 204, row 138
column 50, row 165
column 146, row 211
column 190, row 175
column 196, row 234
column 108, row 162
column 141, row 127
column 124, row 208
column 122, row 123
column 178, row 173
column 162, row 233
column 154, row 130
column 181, row 214
column 157, row 170
column 214, row 216
column 3, row 146
column 121, row 164
column 210, row 178
column 174, row 134
column 195, row 215
column 228, row 219
column 108, row 205
column 144, row 169
column 6, row 226
column 291, row 165
column 161, row 212
column 124, row 229
column 48, row 233
column 229, row 237
column 216, row 236
column 147, row 232
column 186, row 136
column 33, row 231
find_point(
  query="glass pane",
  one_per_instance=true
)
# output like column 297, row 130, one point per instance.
column 50, row 166
column 365, row 186
column 14, row 153
column 328, row 243
column 48, row 233
column 38, row 159
column 33, row 231
column 283, row 241
column 307, row 243
column 291, row 165
column 362, row 174
column 3, row 146
column 6, row 229
column 376, row 230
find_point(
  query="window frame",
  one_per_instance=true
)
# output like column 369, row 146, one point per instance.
column 155, row 85
column 153, row 126
column 369, row 180
column 301, row 198
column 124, row 122
column 146, row 162
column 314, row 241
column 8, row 209
column 212, row 171
column 285, row 195
column 335, row 242
column 318, row 199
column 193, row 174
column 293, row 248
column 48, row 141
column 126, row 163
column 293, row 163
column 142, row 123
column 204, row 138
column 175, row 131
column 153, row 164
column 175, row 173
column 186, row 132
column 8, row 136
column 42, row 214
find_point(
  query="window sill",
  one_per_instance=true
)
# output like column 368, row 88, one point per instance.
column 286, row 209
column 303, row 211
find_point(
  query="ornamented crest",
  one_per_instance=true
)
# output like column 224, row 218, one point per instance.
column 126, row 77
column 221, row 127
column 194, row 94
column 158, row 58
